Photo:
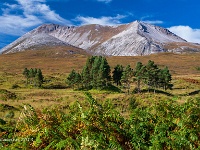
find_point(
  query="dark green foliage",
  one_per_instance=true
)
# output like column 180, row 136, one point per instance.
column 117, row 74
column 6, row 95
column 103, row 76
column 86, row 77
column 95, row 74
column 164, row 79
column 39, row 79
column 26, row 74
column 127, row 77
column 91, row 125
column 2, row 122
column 33, row 77
column 94, row 71
column 197, row 68
column 139, row 75
column 152, row 76
column 98, row 126
column 15, row 86
column 74, row 79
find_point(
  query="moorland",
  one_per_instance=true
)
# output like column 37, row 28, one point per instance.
column 56, row 116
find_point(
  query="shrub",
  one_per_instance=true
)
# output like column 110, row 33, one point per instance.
column 6, row 95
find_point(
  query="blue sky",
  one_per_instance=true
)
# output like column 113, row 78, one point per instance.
column 20, row 16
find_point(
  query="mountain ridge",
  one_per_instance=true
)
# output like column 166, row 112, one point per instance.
column 132, row 39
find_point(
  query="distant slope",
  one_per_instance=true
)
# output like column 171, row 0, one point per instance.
column 133, row 39
column 60, row 60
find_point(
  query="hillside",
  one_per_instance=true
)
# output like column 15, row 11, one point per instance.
column 31, row 113
column 62, row 60
column 132, row 39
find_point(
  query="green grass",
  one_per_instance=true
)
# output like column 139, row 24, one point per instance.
column 55, row 92
column 56, row 68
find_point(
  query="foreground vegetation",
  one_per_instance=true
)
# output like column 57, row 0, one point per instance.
column 43, row 112
column 93, row 125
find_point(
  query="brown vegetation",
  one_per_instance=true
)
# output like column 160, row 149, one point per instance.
column 62, row 60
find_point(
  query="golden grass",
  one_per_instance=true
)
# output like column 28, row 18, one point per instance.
column 56, row 64
column 57, row 61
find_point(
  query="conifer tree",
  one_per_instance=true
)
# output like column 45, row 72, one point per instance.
column 26, row 74
column 95, row 71
column 77, row 79
column 117, row 74
column 86, row 73
column 127, row 76
column 34, row 75
column 39, row 79
column 86, row 77
column 71, row 78
column 139, row 74
column 90, row 62
column 31, row 75
column 165, row 79
column 151, row 74
column 104, row 72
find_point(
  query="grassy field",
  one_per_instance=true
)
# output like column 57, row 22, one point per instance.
column 56, row 98
column 56, row 65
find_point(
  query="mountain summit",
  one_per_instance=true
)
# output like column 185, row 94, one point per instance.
column 133, row 39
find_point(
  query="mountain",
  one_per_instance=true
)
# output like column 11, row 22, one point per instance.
column 133, row 39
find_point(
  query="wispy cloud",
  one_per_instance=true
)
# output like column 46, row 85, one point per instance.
column 105, row 1
column 154, row 21
column 105, row 20
column 18, row 18
column 187, row 33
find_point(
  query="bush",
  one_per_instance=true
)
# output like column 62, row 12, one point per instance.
column 198, row 68
column 163, row 125
column 6, row 95
column 15, row 86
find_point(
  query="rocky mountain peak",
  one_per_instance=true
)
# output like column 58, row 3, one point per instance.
column 136, row 38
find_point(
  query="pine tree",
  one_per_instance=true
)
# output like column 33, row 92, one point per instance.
column 105, row 70
column 117, row 74
column 77, row 80
column 39, row 79
column 70, row 79
column 95, row 71
column 87, row 73
column 127, row 77
column 90, row 62
column 139, row 75
column 165, row 79
column 31, row 75
column 86, row 78
column 151, row 75
column 26, row 74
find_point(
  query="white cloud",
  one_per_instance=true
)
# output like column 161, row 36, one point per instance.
column 18, row 18
column 187, row 33
column 111, row 21
column 154, row 21
column 105, row 1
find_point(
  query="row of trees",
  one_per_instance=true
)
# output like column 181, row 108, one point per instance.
column 152, row 75
column 33, row 77
column 97, row 74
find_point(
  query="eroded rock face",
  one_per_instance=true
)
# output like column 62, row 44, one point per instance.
column 133, row 39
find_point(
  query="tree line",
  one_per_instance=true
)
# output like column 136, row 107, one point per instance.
column 96, row 74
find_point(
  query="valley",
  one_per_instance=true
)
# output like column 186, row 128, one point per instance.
column 99, row 75
column 55, row 103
